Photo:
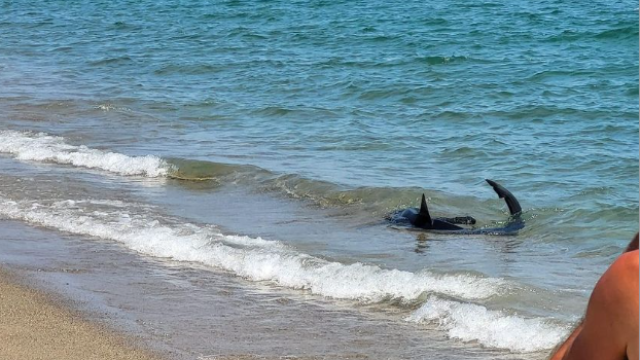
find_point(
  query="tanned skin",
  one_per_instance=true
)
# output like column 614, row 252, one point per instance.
column 609, row 330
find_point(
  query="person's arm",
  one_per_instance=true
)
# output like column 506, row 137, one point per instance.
column 610, row 327
column 561, row 350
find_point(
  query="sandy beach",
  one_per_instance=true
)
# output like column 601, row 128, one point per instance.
column 34, row 325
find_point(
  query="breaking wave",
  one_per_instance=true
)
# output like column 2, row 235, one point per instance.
column 470, row 322
column 275, row 262
column 46, row 148
column 252, row 258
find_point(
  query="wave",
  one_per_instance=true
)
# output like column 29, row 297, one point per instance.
column 621, row 32
column 41, row 147
column 440, row 60
column 46, row 148
column 374, row 201
column 251, row 258
column 274, row 262
column 470, row 322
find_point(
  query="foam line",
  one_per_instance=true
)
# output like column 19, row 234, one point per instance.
column 470, row 322
column 253, row 259
column 41, row 147
column 258, row 259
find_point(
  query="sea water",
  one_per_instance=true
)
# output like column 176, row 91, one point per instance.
column 268, row 139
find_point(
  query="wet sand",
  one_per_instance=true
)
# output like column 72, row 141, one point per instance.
column 39, row 325
column 35, row 326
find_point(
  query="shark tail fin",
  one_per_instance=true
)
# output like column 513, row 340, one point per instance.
column 512, row 202
column 424, row 210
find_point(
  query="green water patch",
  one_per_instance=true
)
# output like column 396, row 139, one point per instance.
column 375, row 201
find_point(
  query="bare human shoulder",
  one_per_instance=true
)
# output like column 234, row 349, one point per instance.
column 610, row 327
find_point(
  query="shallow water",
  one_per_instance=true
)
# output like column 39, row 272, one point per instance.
column 268, row 140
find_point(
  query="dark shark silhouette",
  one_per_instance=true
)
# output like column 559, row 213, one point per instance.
column 421, row 218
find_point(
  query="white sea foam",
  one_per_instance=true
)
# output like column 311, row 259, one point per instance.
column 258, row 259
column 470, row 322
column 254, row 259
column 45, row 148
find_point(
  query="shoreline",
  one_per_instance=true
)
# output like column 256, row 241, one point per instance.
column 36, row 325
column 157, row 306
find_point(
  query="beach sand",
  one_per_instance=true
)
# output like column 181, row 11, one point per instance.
column 33, row 325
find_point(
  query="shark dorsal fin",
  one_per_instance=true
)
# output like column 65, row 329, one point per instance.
column 423, row 205
column 424, row 210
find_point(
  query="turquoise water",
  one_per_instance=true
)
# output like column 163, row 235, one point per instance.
column 370, row 94
column 355, row 109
